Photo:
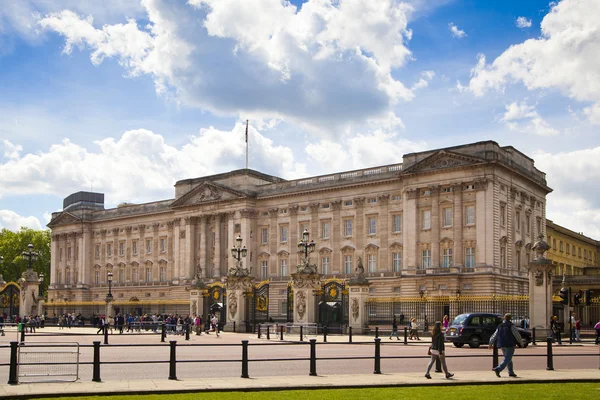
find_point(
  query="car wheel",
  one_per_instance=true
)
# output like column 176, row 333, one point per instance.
column 459, row 345
column 475, row 341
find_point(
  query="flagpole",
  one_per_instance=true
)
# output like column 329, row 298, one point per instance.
column 246, row 144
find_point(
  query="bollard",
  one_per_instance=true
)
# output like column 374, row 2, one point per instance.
column 234, row 331
column 187, row 331
column 268, row 332
column 377, row 369
column 281, row 332
column 22, row 335
column 550, row 365
column 163, row 333
column 245, row 359
column 313, row 357
column 494, row 356
column 349, row 334
column 96, row 368
column 259, row 331
column 105, row 334
column 405, row 335
column 533, row 336
column 324, row 334
column 12, row 374
column 173, row 361
column 570, row 330
column 301, row 335
column 376, row 332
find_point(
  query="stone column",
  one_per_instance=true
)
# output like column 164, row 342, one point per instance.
column 383, row 232
column 304, row 286
column 458, row 226
column 196, row 302
column 410, row 235
column 217, row 258
column 203, row 246
column 188, row 265
column 293, row 232
column 177, row 245
column 53, row 259
column 231, row 235
column 359, row 233
column 237, row 291
column 540, row 289
column 273, row 240
column 358, row 291
column 435, row 226
column 246, row 227
column 336, row 233
column 314, row 220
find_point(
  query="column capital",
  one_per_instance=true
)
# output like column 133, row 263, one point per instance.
column 336, row 205
column 359, row 201
column 314, row 207
column 412, row 194
column 383, row 198
column 115, row 231
column 273, row 212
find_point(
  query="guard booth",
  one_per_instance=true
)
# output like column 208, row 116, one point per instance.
column 10, row 298
column 215, row 298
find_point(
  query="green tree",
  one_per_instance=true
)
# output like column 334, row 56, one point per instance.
column 13, row 244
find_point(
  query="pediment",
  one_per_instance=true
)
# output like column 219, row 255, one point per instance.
column 64, row 218
column 207, row 192
column 443, row 159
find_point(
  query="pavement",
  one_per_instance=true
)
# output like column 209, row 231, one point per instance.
column 164, row 386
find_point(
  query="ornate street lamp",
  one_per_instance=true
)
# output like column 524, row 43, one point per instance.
column 41, row 280
column 109, row 296
column 305, row 246
column 1, row 262
column 30, row 255
column 238, row 252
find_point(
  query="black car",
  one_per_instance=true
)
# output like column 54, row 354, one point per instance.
column 475, row 329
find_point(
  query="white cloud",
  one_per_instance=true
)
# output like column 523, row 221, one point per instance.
column 426, row 77
column 575, row 201
column 264, row 58
column 564, row 58
column 140, row 166
column 524, row 118
column 13, row 221
column 10, row 150
column 457, row 33
column 523, row 22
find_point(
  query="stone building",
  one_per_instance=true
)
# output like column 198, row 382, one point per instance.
column 446, row 221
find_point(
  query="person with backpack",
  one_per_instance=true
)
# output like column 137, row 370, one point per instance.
column 506, row 337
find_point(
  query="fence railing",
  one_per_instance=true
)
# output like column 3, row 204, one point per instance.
column 245, row 361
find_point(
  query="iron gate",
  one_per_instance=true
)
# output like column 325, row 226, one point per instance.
column 10, row 297
column 331, row 304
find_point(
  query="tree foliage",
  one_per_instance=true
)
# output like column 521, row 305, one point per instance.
column 13, row 244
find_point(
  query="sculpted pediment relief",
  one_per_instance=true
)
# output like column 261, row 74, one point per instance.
column 441, row 160
column 205, row 193
column 64, row 219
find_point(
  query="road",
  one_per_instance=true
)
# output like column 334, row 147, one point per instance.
column 207, row 356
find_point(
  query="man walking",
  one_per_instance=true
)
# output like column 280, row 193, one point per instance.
column 506, row 337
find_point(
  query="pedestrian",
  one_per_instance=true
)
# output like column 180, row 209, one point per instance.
column 506, row 337
column 597, row 328
column 110, row 323
column 555, row 330
column 414, row 329
column 578, row 329
column 394, row 329
column 446, row 324
column 572, row 323
column 100, row 325
column 437, row 350
column 215, row 324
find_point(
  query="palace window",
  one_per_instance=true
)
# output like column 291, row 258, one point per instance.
column 568, row 248
column 347, row 264
column 518, row 256
column 163, row 274
column 163, row 245
column 134, row 245
column 348, row 203
column 470, row 257
column 283, row 237
column 121, row 276
column 134, row 275
column 122, row 248
column 325, row 230
column 447, row 217
column 560, row 246
column 372, row 262
column 502, row 214
column 69, row 253
column 426, row 258
column 264, row 269
column 396, row 262
column 426, row 219
column 502, row 257
column 283, row 267
column 518, row 221
column 372, row 200
column 96, row 278
column 325, row 265
column 60, row 254
column 97, row 251
column 396, row 197
column 446, row 258
column 470, row 215
column 148, row 274
column 148, row 246
column 397, row 223
column 264, row 235
column 527, row 223
column 347, row 227
column 372, row 225
column 109, row 249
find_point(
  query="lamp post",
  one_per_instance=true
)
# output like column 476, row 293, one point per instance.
column 1, row 262
column 41, row 283
column 109, row 296
column 30, row 255
column 238, row 252
column 305, row 246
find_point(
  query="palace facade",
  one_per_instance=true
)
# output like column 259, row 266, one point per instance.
column 456, row 220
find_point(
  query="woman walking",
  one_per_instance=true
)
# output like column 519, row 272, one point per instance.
column 446, row 324
column 414, row 329
column 437, row 350
column 394, row 329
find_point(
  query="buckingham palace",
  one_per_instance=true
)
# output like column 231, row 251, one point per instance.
column 457, row 220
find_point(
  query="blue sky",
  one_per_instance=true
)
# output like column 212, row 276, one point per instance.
column 126, row 97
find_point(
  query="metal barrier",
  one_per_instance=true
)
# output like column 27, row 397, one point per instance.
column 42, row 362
